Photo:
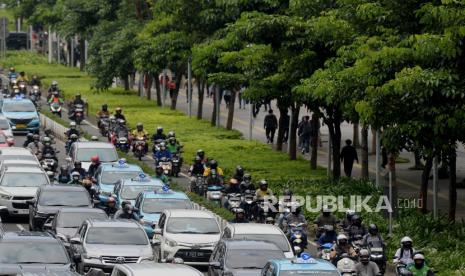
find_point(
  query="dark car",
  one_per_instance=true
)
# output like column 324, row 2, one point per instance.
column 242, row 257
column 68, row 220
column 52, row 198
column 25, row 251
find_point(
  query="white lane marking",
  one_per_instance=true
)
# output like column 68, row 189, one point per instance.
column 20, row 227
column 91, row 125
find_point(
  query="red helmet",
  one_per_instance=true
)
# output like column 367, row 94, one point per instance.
column 111, row 200
column 95, row 159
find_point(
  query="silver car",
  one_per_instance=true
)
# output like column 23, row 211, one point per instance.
column 154, row 269
column 103, row 243
column 83, row 151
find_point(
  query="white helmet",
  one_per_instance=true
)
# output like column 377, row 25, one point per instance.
column 54, row 83
column 341, row 237
column 406, row 239
column 326, row 209
column 72, row 124
column 418, row 256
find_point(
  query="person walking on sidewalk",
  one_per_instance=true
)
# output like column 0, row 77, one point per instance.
column 349, row 155
column 285, row 124
column 270, row 125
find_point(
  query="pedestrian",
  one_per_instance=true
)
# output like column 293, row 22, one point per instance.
column 256, row 109
column 349, row 155
column 300, row 130
column 240, row 97
column 306, row 135
column 315, row 131
column 227, row 97
column 285, row 120
column 267, row 103
column 270, row 124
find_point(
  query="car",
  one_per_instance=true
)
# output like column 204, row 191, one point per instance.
column 305, row 266
column 151, row 204
column 5, row 141
column 33, row 251
column 154, row 269
column 107, row 175
column 187, row 234
column 17, row 153
column 51, row 198
column 5, row 126
column 22, row 115
column 105, row 243
column 259, row 231
column 67, row 221
column 20, row 163
column 17, row 185
column 129, row 189
column 83, row 151
column 242, row 257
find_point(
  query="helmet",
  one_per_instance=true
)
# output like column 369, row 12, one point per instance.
column 54, row 83
column 73, row 136
column 30, row 135
column 75, row 176
column 104, row 106
column 36, row 137
column 287, row 192
column 419, row 260
column 77, row 164
column 213, row 164
column 111, row 200
column 139, row 126
column 162, row 146
column 118, row 109
column 197, row 159
column 418, row 256
column 263, row 183
column 247, row 177
column 78, row 95
column 171, row 134
column 373, row 229
column 12, row 69
column 95, row 158
column 72, row 125
column 349, row 214
column 406, row 241
column 94, row 138
column 159, row 130
column 201, row 153
column 364, row 256
column 239, row 170
column 356, row 218
column 341, row 239
column 239, row 211
column 326, row 209
column 233, row 181
column 47, row 140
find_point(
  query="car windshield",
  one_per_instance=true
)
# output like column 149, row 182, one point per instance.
column 74, row 220
column 18, row 107
column 116, row 236
column 24, row 180
column 110, row 178
column 309, row 273
column 192, row 226
column 32, row 252
column 132, row 191
column 251, row 258
column 17, row 157
column 105, row 154
column 4, row 124
column 64, row 198
column 279, row 240
column 156, row 205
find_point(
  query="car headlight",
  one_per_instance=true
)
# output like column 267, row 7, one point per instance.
column 5, row 196
column 171, row 243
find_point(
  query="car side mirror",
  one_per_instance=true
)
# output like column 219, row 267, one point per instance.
column 30, row 202
column 75, row 240
column 216, row 265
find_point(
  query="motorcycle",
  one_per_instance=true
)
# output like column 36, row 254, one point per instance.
column 346, row 266
column 234, row 201
column 55, row 108
column 326, row 251
column 377, row 255
column 357, row 242
column 264, row 212
column 215, row 194
column 49, row 161
column 248, row 204
column 78, row 114
column 401, row 270
column 117, row 133
column 122, row 144
column 197, row 183
column 35, row 95
column 176, row 164
column 297, row 237
column 22, row 88
column 104, row 125
column 139, row 147
column 165, row 163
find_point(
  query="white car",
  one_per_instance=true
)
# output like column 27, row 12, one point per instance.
column 17, row 185
column 83, row 151
column 20, row 163
column 154, row 269
column 5, row 126
column 16, row 153
column 187, row 234
column 260, row 232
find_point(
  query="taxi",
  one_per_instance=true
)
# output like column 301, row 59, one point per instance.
column 108, row 175
column 150, row 205
column 304, row 265
column 21, row 114
column 129, row 189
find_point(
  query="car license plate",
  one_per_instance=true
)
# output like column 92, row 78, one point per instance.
column 20, row 126
column 23, row 211
column 194, row 254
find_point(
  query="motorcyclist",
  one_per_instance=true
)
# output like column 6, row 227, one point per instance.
column 200, row 153
column 160, row 175
column 342, row 246
column 239, row 174
column 77, row 101
column 373, row 237
column 29, row 139
column 79, row 169
column 419, row 267
column 295, row 217
column 247, row 184
column 119, row 114
column 329, row 236
column 22, row 77
column 102, row 113
column 140, row 133
column 263, row 190
column 171, row 134
column 213, row 165
column 326, row 218
column 111, row 209
column 35, row 146
column 240, row 216
column 127, row 212
column 87, row 183
column 233, row 187
column 35, row 81
column 197, row 168
column 163, row 152
column 75, row 178
column 214, row 179
column 95, row 164
column 48, row 133
column 173, row 145
column 347, row 221
column 158, row 135
column 405, row 253
column 12, row 73
column 356, row 230
column 72, row 130
column 48, row 148
column 55, row 98
column 53, row 88
column 64, row 176
column 366, row 267
column 72, row 139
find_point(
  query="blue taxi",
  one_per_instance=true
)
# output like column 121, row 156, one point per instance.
column 108, row 174
column 21, row 114
column 129, row 189
column 151, row 204
column 305, row 265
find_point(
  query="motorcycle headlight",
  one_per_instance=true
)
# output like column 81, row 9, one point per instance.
column 171, row 243
column 5, row 196
column 297, row 240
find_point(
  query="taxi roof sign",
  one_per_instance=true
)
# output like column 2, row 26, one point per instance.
column 305, row 258
column 122, row 164
column 165, row 188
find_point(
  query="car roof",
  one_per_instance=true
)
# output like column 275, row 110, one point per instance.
column 254, row 228
column 28, row 235
column 13, row 162
column 169, row 195
column 250, row 245
column 15, row 151
column 93, row 144
column 182, row 213
column 14, row 169
column 9, row 100
column 289, row 264
column 146, row 181
column 63, row 188
column 114, row 166
column 160, row 269
column 81, row 210
column 49, row 273
column 117, row 223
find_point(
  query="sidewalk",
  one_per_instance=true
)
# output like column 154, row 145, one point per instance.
column 408, row 181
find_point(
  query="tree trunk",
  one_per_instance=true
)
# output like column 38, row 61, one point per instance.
column 214, row 95
column 392, row 168
column 281, row 128
column 229, row 122
column 200, row 93
column 336, row 144
column 373, row 141
column 356, row 136
column 293, row 133
column 418, row 165
column 424, row 184
column 364, row 153
column 82, row 56
column 149, row 86
column 126, row 82
column 174, row 94
column 158, row 89
column 314, row 141
column 452, row 183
